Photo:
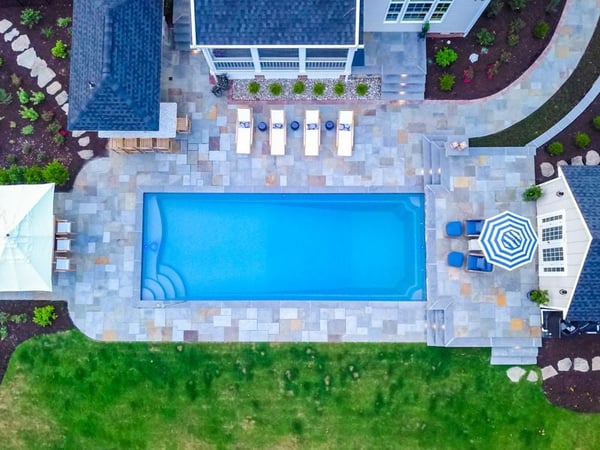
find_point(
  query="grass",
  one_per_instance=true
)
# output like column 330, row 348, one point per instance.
column 65, row 391
column 558, row 106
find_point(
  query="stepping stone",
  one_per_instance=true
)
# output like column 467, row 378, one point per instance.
column 547, row 169
column 77, row 133
column 86, row 154
column 596, row 363
column 592, row 158
column 577, row 161
column 581, row 365
column 53, row 88
column 62, row 98
column 45, row 76
column 5, row 25
column 11, row 35
column 84, row 141
column 564, row 365
column 548, row 372
column 562, row 162
column 27, row 58
column 532, row 376
column 21, row 43
column 65, row 108
column 515, row 373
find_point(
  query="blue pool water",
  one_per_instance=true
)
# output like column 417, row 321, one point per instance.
column 283, row 247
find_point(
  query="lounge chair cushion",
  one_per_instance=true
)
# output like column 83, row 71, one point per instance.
column 456, row 259
column 454, row 229
column 473, row 227
column 479, row 263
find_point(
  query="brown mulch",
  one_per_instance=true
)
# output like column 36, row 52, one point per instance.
column 583, row 123
column 39, row 148
column 578, row 391
column 18, row 333
column 523, row 55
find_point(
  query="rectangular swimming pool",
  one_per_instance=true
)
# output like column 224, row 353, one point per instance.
column 283, row 247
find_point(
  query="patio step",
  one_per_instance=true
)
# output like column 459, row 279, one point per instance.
column 514, row 355
column 436, row 327
column 432, row 162
column 182, row 27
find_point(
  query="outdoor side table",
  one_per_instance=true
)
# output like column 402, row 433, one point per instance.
column 262, row 126
column 329, row 125
column 457, row 146
column 294, row 125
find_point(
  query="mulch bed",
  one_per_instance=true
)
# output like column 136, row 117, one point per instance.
column 522, row 55
column 583, row 123
column 18, row 333
column 578, row 391
column 39, row 148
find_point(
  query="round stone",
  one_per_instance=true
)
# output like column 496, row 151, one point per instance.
column 581, row 365
column 473, row 57
column 562, row 162
column 515, row 373
column 592, row 158
column 83, row 141
column 86, row 154
column 577, row 161
column 564, row 365
column 547, row 169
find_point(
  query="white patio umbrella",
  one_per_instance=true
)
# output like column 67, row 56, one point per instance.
column 26, row 237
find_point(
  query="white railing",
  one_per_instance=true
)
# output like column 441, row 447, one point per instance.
column 279, row 64
column 234, row 64
column 325, row 64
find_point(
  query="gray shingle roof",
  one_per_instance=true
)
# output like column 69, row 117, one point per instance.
column 268, row 22
column 115, row 65
column 583, row 181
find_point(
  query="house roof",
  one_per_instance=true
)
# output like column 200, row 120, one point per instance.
column 264, row 22
column 115, row 65
column 582, row 180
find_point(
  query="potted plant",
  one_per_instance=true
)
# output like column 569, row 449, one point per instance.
column 538, row 296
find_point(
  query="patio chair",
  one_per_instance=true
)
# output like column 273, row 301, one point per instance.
column 312, row 132
column 344, row 137
column 478, row 263
column 63, row 245
column 130, row 145
column 473, row 227
column 244, row 127
column 116, row 144
column 63, row 227
column 184, row 125
column 456, row 259
column 145, row 144
column 63, row 264
column 277, row 132
column 454, row 229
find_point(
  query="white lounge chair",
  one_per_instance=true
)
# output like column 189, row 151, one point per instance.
column 277, row 130
column 63, row 227
column 344, row 137
column 312, row 132
column 244, row 129
column 63, row 245
column 62, row 264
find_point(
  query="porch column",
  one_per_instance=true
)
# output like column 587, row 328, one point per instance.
column 256, row 60
column 209, row 60
column 302, row 60
column 349, row 59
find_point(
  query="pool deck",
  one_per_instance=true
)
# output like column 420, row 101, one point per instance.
column 398, row 148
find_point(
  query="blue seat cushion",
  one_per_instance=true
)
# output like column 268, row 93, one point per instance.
column 456, row 259
column 473, row 227
column 479, row 263
column 454, row 228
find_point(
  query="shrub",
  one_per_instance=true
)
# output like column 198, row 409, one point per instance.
column 541, row 29
column 23, row 96
column 58, row 139
column 16, row 174
column 41, row 156
column 445, row 56
column 4, row 316
column 19, row 318
column 582, row 140
column 59, row 50
column 468, row 74
column 34, row 175
column 11, row 158
column 505, row 56
column 339, row 88
column 318, row 89
column 517, row 5
column 53, row 127
column 532, row 193
column 516, row 25
column 16, row 80
column 299, row 87
column 47, row 115
column 4, row 177
column 1, row 61
column 47, row 32
column 596, row 122
column 254, row 87
column 555, row 148
column 27, row 130
column 447, row 82
column 12, row 124
column 512, row 39
column 552, row 6
column 362, row 89
column 29, row 113
column 5, row 97
column 493, row 69
column 275, row 89
column 44, row 315
column 30, row 17
column 63, row 22
column 56, row 173
column 3, row 332
column 37, row 97
column 485, row 37
column 494, row 8
column 539, row 297
column 26, row 149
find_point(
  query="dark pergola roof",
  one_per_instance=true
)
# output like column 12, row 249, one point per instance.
column 115, row 65
column 265, row 22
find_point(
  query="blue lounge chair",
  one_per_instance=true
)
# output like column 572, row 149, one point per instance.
column 454, row 229
column 473, row 227
column 478, row 263
column 456, row 259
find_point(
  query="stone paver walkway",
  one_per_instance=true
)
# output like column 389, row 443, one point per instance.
column 566, row 364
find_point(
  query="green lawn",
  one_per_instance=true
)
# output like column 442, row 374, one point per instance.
column 65, row 391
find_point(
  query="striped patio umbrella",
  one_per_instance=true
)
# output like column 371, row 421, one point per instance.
column 508, row 240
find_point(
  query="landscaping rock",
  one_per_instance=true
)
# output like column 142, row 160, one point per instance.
column 45, row 77
column 562, row 162
column 547, row 169
column 86, row 154
column 84, row 141
column 564, row 365
column 11, row 35
column 53, row 88
column 548, row 372
column 596, row 363
column 21, row 43
column 5, row 25
column 65, row 108
column 77, row 133
column 27, row 58
column 577, row 161
column 592, row 158
column 515, row 373
column 581, row 365
column 473, row 57
column 62, row 98
column 532, row 376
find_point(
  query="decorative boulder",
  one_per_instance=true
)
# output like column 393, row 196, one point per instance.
column 547, row 169
column 592, row 158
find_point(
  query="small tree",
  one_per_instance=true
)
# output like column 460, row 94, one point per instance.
column 539, row 297
column 60, row 50
column 34, row 175
column 56, row 173
column 596, row 122
column 541, row 29
column 582, row 140
column 485, row 37
column 555, row 148
column 447, row 82
column 254, row 87
column 445, row 56
column 44, row 315
column 63, row 22
column 532, row 193
column 299, row 87
column 275, row 89
column 339, row 88
column 30, row 17
column 29, row 113
column 37, row 97
column 318, row 89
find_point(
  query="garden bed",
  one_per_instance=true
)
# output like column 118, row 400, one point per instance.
column 499, row 64
column 42, row 145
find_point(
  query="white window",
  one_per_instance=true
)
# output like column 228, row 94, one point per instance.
column 416, row 11
column 394, row 10
column 408, row 11
column 440, row 10
column 552, row 250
